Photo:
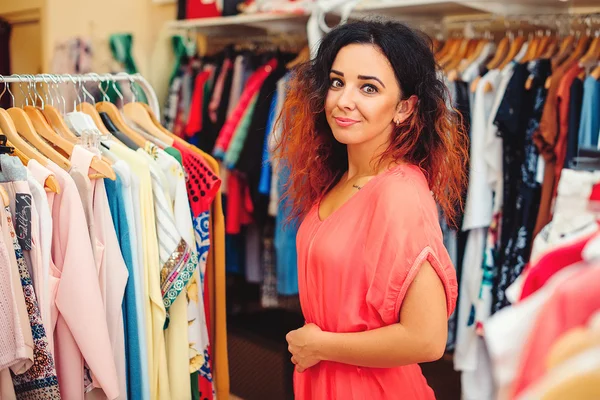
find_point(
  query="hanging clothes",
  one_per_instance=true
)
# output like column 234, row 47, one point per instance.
column 112, row 271
column 119, row 199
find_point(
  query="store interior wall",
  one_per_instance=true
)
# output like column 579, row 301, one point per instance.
column 39, row 24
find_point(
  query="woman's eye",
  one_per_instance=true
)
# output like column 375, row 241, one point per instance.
column 370, row 89
column 336, row 83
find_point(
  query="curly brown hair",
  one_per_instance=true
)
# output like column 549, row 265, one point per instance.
column 432, row 138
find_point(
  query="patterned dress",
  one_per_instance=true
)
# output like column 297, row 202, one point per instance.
column 39, row 382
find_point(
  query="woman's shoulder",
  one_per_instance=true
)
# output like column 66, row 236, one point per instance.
column 403, row 184
column 402, row 196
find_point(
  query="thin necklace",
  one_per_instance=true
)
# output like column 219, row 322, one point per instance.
column 357, row 187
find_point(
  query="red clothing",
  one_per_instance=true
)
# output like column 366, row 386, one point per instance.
column 551, row 263
column 202, row 9
column 202, row 183
column 239, row 204
column 253, row 86
column 354, row 271
column 194, row 123
column 571, row 306
column 564, row 100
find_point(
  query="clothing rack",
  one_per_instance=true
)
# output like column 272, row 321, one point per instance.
column 559, row 22
column 90, row 77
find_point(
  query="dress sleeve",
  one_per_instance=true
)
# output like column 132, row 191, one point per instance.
column 403, row 233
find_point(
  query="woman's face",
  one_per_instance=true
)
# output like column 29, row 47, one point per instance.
column 363, row 101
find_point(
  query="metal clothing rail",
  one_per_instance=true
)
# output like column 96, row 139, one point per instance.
column 91, row 77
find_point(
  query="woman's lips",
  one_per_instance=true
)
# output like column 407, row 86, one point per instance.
column 345, row 122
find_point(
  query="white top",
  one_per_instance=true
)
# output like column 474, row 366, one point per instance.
column 478, row 210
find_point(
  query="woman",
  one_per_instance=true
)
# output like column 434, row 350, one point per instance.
column 371, row 147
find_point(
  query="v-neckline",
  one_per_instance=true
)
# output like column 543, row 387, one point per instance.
column 364, row 188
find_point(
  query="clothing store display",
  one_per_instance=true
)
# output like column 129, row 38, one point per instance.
column 234, row 103
column 120, row 281
column 114, row 287
column 528, row 118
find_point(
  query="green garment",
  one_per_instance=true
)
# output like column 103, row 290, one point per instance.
column 176, row 154
column 121, row 45
column 195, row 387
column 239, row 137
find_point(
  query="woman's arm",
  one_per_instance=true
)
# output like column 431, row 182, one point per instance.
column 420, row 336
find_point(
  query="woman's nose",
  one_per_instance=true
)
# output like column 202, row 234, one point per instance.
column 346, row 99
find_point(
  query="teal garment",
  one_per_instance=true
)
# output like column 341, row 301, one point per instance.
column 180, row 50
column 232, row 155
column 590, row 114
column 121, row 46
column 266, row 171
column 176, row 154
column 133, row 346
column 285, row 241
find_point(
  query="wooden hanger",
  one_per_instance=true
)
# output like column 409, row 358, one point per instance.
column 513, row 51
column 480, row 46
column 156, row 121
column 451, row 52
column 7, row 126
column 120, row 123
column 473, row 51
column 46, row 131
column 174, row 138
column 138, row 114
column 55, row 119
column 501, row 53
column 532, row 50
column 90, row 110
column 593, row 53
column 24, row 150
column 544, row 44
column 104, row 169
column 579, row 51
column 25, row 128
column 471, row 47
column 444, row 50
column 458, row 56
column 551, row 49
column 565, row 48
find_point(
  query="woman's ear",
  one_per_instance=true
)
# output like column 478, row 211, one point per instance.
column 405, row 109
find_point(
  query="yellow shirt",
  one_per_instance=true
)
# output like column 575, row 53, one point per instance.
column 155, row 309
column 178, row 210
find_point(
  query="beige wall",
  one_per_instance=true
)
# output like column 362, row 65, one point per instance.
column 99, row 19
column 26, row 38
column 14, row 6
column 52, row 21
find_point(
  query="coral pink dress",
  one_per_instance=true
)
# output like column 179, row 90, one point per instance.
column 354, row 270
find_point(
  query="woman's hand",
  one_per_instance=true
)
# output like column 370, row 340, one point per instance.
column 304, row 345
